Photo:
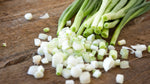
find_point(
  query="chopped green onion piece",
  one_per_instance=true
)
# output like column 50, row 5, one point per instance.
column 85, row 78
column 96, row 42
column 42, row 36
column 88, row 57
column 93, row 47
column 91, row 37
column 122, row 42
column 124, row 53
column 119, row 78
column 4, row 44
column 69, row 82
column 93, row 52
column 100, row 64
column 97, row 73
column 138, row 53
column 77, row 45
column 87, row 44
column 76, row 72
column 101, row 53
column 59, row 69
column 113, row 54
column 28, row 16
column 89, row 67
column 149, row 48
column 124, row 64
column 68, row 23
column 95, row 64
column 108, row 63
column 111, row 47
column 66, row 73
column 46, row 29
column 102, row 45
column 117, row 62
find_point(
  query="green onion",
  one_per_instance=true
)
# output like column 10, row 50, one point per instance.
column 46, row 29
column 85, row 9
column 91, row 37
column 59, row 69
column 124, row 64
column 99, row 27
column 98, row 16
column 68, row 14
column 105, row 33
column 121, row 4
column 108, row 9
column 113, row 54
column 132, row 13
column 4, row 44
column 117, row 62
column 81, row 29
column 93, row 52
column 124, row 53
column 111, row 24
column 149, row 48
column 121, row 13
column 122, row 42
column 88, row 21
column 111, row 5
column 88, row 57
column 102, row 45
column 88, row 32
column 101, row 53
column 87, row 44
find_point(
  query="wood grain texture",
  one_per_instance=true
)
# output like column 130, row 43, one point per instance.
column 19, row 34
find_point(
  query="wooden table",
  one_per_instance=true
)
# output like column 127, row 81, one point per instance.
column 18, row 33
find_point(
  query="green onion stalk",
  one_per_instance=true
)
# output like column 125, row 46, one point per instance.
column 69, row 12
column 85, row 9
column 87, row 22
column 97, row 18
column 132, row 13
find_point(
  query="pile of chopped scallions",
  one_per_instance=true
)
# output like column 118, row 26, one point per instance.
column 75, row 56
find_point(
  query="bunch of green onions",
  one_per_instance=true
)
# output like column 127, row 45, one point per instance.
column 98, row 16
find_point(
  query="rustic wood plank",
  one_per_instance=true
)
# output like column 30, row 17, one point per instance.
column 19, row 34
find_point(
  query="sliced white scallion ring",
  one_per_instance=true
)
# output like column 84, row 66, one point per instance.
column 124, row 64
column 69, row 82
column 120, row 78
column 85, row 78
column 45, row 16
